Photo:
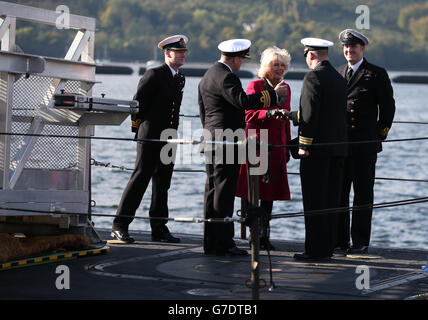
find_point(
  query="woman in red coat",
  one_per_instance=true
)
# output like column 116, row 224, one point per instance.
column 274, row 63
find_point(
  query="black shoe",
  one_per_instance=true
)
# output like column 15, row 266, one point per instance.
column 305, row 257
column 343, row 250
column 165, row 237
column 122, row 236
column 343, row 247
column 266, row 245
column 358, row 250
column 234, row 251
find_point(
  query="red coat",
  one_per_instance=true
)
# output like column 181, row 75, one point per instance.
column 278, row 134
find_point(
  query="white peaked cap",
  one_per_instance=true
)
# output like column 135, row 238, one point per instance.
column 316, row 43
column 177, row 41
column 235, row 47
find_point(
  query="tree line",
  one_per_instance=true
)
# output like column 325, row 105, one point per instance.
column 128, row 30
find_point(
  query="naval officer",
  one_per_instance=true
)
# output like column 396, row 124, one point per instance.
column 222, row 103
column 322, row 147
column 370, row 111
column 159, row 93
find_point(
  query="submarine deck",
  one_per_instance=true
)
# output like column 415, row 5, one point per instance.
column 147, row 270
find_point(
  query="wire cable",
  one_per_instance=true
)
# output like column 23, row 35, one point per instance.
column 196, row 142
column 232, row 219
column 354, row 208
column 123, row 168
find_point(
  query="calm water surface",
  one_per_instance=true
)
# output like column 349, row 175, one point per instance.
column 403, row 226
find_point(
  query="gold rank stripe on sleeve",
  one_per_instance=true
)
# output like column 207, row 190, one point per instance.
column 306, row 141
column 265, row 99
column 384, row 132
column 135, row 124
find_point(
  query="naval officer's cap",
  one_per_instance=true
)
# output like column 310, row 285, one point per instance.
column 315, row 44
column 176, row 42
column 235, row 48
column 350, row 36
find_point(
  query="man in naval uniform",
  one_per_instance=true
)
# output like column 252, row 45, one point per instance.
column 370, row 111
column 322, row 147
column 222, row 102
column 159, row 94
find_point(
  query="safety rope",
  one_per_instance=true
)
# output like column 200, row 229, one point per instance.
column 237, row 219
column 176, row 219
column 123, row 168
column 410, row 122
column 382, row 178
column 196, row 142
column 396, row 121
column 353, row 208
column 189, row 115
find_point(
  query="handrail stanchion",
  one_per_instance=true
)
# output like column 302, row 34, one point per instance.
column 244, row 205
column 253, row 200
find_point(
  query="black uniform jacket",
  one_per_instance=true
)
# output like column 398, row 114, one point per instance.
column 322, row 112
column 222, row 100
column 370, row 107
column 159, row 99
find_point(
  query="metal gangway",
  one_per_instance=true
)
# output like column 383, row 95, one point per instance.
column 44, row 160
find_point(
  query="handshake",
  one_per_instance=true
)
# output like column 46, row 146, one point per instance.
column 282, row 114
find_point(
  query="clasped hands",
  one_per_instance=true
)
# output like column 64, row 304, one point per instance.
column 282, row 93
column 277, row 113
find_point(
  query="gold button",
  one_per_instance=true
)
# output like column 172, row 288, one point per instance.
column 353, row 119
column 352, row 110
column 353, row 127
column 171, row 122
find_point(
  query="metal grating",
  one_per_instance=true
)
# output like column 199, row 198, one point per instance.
column 55, row 153
column 17, row 142
column 29, row 94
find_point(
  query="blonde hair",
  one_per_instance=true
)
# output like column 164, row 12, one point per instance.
column 271, row 54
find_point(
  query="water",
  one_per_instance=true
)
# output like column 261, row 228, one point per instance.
column 403, row 226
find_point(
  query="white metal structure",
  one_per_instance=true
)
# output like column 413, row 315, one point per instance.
column 39, row 173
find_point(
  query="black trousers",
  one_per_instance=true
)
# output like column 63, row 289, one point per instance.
column 359, row 173
column 219, row 198
column 321, row 180
column 148, row 166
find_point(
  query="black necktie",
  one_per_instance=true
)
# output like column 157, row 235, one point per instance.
column 349, row 73
column 179, row 81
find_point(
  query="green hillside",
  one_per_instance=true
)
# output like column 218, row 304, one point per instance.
column 128, row 30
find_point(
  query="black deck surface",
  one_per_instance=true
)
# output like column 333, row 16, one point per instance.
column 147, row 270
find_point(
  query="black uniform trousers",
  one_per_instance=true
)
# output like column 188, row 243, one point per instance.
column 359, row 173
column 219, row 199
column 148, row 166
column 321, row 180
